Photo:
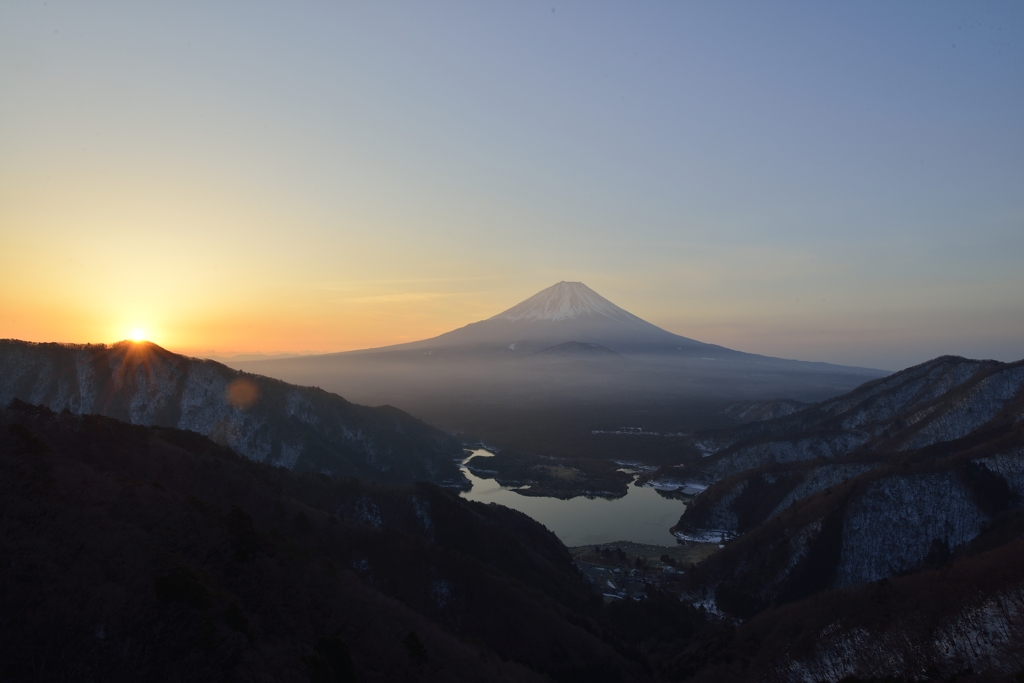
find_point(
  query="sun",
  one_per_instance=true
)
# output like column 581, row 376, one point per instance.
column 138, row 334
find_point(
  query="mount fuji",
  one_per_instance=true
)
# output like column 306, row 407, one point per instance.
column 565, row 360
column 562, row 313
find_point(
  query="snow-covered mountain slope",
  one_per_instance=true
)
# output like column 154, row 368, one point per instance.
column 770, row 465
column 266, row 420
column 941, row 400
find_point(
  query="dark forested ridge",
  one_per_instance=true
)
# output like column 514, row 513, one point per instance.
column 960, row 620
column 144, row 553
column 267, row 420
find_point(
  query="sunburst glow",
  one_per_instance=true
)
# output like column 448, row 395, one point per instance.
column 138, row 334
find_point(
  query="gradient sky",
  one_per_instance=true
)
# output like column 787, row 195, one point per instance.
column 825, row 181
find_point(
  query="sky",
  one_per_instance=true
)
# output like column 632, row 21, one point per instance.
column 840, row 182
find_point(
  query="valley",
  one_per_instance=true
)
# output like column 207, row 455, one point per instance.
column 724, row 559
column 625, row 569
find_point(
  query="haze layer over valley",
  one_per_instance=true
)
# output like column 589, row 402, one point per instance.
column 547, row 373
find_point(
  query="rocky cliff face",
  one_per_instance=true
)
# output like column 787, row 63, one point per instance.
column 266, row 420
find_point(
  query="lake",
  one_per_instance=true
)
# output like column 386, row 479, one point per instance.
column 641, row 515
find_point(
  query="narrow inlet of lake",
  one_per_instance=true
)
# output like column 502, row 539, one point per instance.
column 641, row 516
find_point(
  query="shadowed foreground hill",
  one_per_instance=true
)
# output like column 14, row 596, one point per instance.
column 961, row 622
column 145, row 553
column 266, row 420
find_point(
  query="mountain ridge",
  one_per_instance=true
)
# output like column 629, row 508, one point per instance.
column 264, row 419
column 756, row 471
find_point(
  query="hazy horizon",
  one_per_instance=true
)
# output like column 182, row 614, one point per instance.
column 833, row 183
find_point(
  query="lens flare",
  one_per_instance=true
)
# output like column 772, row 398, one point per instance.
column 242, row 393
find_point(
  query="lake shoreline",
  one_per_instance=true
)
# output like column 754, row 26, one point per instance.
column 641, row 515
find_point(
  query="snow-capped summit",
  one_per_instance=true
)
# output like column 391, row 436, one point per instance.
column 564, row 312
column 562, row 301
